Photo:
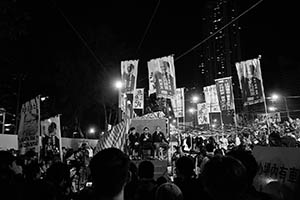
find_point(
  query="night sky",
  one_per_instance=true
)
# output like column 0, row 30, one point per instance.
column 45, row 43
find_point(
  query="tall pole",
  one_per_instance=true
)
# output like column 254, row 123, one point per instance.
column 266, row 112
column 3, row 121
column 266, row 109
column 286, row 107
column 18, row 103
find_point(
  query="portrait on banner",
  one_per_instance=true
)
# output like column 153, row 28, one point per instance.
column 202, row 113
column 129, row 75
column 162, row 77
column 250, row 79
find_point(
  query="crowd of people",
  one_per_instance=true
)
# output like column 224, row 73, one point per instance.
column 203, row 167
column 111, row 174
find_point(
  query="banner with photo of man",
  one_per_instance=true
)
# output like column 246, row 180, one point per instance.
column 138, row 99
column 29, row 127
column 203, row 113
column 51, row 138
column 162, row 79
column 211, row 98
column 250, row 80
column 129, row 71
column 178, row 103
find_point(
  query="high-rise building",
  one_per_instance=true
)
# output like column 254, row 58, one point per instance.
column 219, row 54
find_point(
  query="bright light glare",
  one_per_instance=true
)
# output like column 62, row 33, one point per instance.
column 192, row 110
column 272, row 108
column 118, row 84
column 92, row 130
column 195, row 99
column 275, row 97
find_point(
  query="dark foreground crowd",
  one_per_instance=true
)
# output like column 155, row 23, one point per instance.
column 112, row 175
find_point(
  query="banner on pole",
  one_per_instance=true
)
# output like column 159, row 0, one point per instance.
column 226, row 100
column 202, row 113
column 129, row 71
column 162, row 77
column 178, row 103
column 29, row 127
column 225, row 93
column 211, row 98
column 250, row 80
column 138, row 99
column 51, row 138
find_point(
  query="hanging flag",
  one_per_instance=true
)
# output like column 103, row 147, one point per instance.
column 29, row 127
column 114, row 138
column 211, row 98
column 129, row 71
column 226, row 100
column 51, row 138
column 178, row 103
column 203, row 113
column 250, row 80
column 162, row 77
column 225, row 93
column 138, row 99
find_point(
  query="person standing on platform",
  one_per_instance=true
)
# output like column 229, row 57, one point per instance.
column 146, row 142
column 159, row 141
column 134, row 143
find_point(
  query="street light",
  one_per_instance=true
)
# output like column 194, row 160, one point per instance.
column 118, row 84
column 272, row 108
column 276, row 97
column 192, row 110
column 195, row 99
column 92, row 130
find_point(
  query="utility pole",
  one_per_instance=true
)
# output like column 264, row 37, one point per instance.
column 20, row 78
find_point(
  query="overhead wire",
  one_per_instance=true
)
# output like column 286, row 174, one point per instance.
column 212, row 35
column 98, row 60
column 147, row 28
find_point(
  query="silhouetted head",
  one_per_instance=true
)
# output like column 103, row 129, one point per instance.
column 59, row 174
column 109, row 171
column 168, row 191
column 185, row 167
column 224, row 177
column 146, row 169
column 248, row 160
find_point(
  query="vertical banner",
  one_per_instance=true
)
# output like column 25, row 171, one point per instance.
column 250, row 80
column 29, row 128
column 202, row 113
column 226, row 100
column 51, row 138
column 225, row 93
column 211, row 98
column 129, row 71
column 138, row 99
column 178, row 103
column 162, row 77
